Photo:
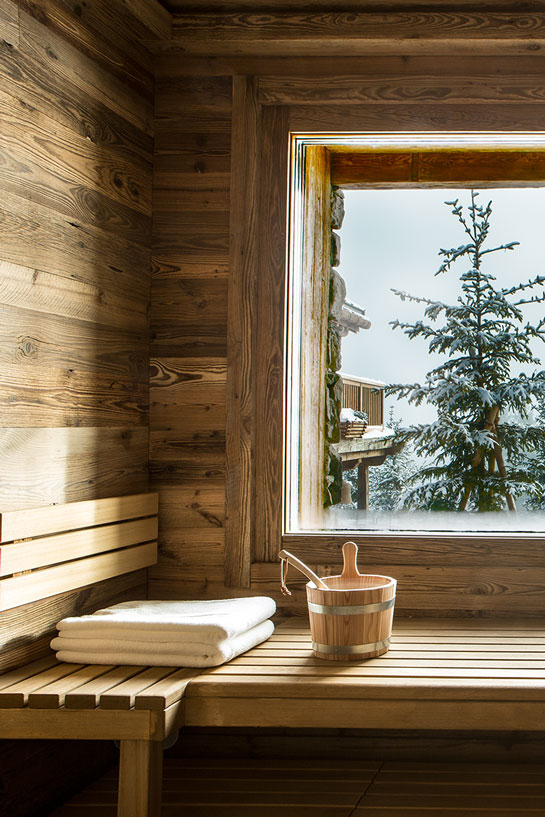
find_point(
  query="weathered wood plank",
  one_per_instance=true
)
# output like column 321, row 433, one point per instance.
column 56, row 54
column 50, row 294
column 442, row 167
column 269, row 454
column 430, row 117
column 415, row 88
column 243, row 257
column 176, row 94
column 44, row 162
column 36, row 236
column 9, row 23
column 423, row 549
column 318, row 33
column 51, row 93
column 62, row 371
column 51, row 465
column 61, row 18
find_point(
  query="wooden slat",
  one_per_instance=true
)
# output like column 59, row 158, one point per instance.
column 52, row 696
column 243, row 257
column 65, row 547
column 64, row 724
column 88, row 695
column 123, row 695
column 167, row 691
column 405, row 88
column 16, row 694
column 331, row 33
column 69, row 516
column 40, row 584
column 26, row 671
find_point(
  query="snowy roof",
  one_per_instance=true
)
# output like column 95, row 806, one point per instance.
column 367, row 381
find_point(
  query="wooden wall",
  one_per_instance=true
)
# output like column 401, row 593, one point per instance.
column 76, row 140
column 417, row 72
column 189, row 328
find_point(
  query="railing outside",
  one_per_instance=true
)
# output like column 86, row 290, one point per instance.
column 364, row 394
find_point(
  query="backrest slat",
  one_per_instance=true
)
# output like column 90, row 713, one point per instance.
column 73, row 515
column 41, row 584
column 50, row 550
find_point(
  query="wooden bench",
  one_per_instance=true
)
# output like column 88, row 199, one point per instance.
column 453, row 674
column 46, row 551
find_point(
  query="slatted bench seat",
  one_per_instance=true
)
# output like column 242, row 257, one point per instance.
column 139, row 706
column 486, row 675
column 454, row 675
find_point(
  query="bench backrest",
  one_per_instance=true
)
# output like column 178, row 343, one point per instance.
column 49, row 550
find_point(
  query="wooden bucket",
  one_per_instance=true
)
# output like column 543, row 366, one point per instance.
column 352, row 619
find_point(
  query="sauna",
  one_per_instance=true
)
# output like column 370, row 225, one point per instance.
column 170, row 174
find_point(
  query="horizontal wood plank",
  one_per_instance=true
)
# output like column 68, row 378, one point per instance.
column 65, row 547
column 73, row 515
column 318, row 33
column 50, row 581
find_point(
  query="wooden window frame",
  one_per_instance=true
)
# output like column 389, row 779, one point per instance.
column 259, row 292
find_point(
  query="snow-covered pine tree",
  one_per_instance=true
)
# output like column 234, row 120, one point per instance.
column 474, row 459
column 388, row 482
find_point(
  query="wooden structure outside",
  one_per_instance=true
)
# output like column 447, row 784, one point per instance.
column 362, row 394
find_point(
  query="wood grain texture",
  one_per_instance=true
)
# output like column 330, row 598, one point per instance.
column 240, row 424
column 314, row 34
column 269, row 457
column 9, row 23
column 120, row 58
column 53, row 295
column 315, row 276
column 437, row 168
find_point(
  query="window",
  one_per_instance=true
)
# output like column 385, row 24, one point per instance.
column 318, row 392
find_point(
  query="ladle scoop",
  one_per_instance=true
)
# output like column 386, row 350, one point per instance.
column 287, row 558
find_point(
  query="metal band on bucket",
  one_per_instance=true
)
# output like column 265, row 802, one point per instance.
column 350, row 609
column 334, row 649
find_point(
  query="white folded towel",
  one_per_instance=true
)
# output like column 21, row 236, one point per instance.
column 207, row 622
column 159, row 653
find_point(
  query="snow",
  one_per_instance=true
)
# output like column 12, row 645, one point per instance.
column 414, row 521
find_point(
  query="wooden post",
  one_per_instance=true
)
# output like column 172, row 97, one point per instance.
column 363, row 487
column 140, row 778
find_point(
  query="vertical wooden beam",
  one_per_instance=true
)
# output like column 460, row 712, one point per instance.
column 140, row 778
column 269, row 448
column 241, row 302
column 315, row 308
column 363, row 487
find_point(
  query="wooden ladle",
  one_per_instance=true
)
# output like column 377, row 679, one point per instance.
column 289, row 558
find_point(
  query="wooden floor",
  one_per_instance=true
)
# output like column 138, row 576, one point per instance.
column 331, row 788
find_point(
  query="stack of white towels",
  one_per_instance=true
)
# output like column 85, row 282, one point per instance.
column 166, row 633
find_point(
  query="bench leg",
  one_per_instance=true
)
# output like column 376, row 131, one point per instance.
column 140, row 778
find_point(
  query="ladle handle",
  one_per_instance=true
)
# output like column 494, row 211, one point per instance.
column 288, row 557
column 350, row 559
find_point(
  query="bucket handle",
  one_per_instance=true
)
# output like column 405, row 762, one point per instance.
column 287, row 558
column 350, row 561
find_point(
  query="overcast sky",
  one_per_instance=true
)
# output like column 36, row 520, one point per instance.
column 390, row 239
